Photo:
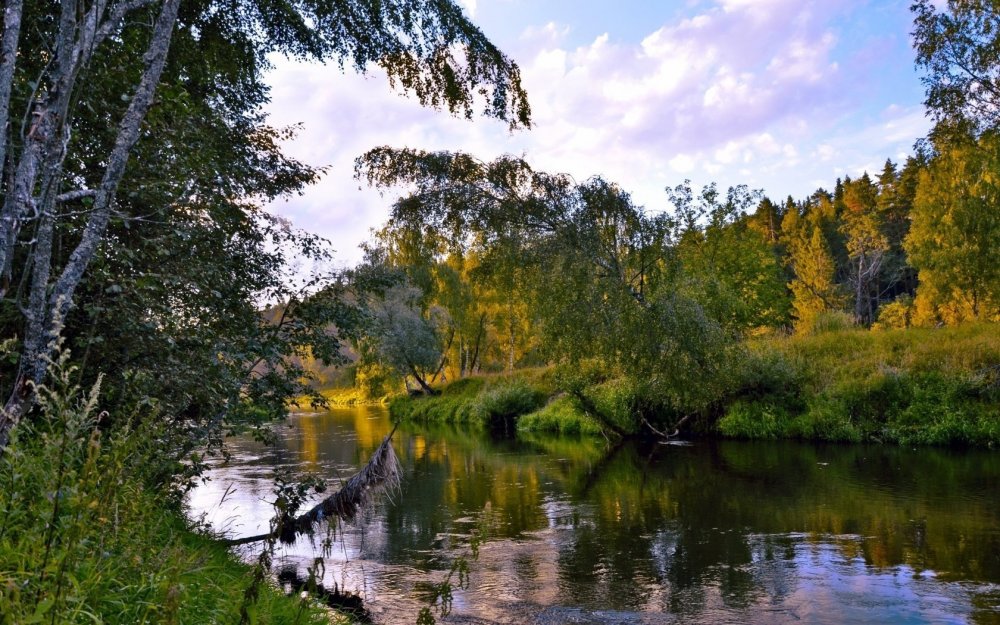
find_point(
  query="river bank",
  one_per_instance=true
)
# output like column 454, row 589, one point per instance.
column 935, row 386
column 87, row 536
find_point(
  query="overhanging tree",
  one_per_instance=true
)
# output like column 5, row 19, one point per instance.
column 62, row 182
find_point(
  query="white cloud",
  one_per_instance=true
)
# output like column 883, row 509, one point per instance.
column 469, row 6
column 743, row 91
column 682, row 164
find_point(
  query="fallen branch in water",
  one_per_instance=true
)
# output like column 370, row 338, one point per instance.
column 677, row 427
column 381, row 474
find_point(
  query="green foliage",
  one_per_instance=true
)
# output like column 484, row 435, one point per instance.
column 958, row 46
column 495, row 403
column 896, row 315
column 814, row 287
column 896, row 386
column 956, row 226
column 85, row 537
column 563, row 415
column 500, row 406
column 730, row 266
column 756, row 420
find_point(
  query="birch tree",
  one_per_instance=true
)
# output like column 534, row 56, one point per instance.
column 61, row 187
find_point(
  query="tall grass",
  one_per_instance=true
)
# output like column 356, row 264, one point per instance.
column 839, row 383
column 914, row 386
column 83, row 539
column 490, row 402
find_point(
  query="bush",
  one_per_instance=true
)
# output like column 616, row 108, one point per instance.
column 495, row 403
column 84, row 539
column 562, row 415
column 832, row 321
column 895, row 315
column 757, row 420
column 498, row 408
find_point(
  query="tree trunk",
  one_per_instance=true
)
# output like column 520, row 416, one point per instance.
column 420, row 380
column 12, row 12
column 45, row 316
column 479, row 339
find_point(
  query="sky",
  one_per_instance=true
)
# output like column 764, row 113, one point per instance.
column 781, row 95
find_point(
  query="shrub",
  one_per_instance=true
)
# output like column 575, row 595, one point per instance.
column 84, row 539
column 758, row 420
column 499, row 407
column 895, row 315
column 832, row 321
column 561, row 415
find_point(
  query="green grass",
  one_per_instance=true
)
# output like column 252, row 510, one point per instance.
column 562, row 414
column 85, row 536
column 492, row 402
column 914, row 386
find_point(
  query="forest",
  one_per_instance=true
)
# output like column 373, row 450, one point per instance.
column 150, row 306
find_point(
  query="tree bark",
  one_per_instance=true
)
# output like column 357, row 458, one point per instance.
column 12, row 12
column 45, row 315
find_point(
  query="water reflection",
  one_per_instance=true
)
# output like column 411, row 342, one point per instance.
column 587, row 533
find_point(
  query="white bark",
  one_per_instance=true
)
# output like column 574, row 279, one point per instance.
column 43, row 156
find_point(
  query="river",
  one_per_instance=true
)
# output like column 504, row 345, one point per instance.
column 580, row 531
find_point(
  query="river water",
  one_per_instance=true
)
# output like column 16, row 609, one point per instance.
column 580, row 531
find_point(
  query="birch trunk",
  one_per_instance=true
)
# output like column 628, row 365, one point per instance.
column 44, row 314
column 12, row 12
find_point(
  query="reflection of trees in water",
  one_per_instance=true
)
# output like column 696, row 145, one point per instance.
column 683, row 529
column 714, row 515
column 292, row 582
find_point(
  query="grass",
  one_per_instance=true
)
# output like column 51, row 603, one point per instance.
column 86, row 538
column 495, row 402
column 915, row 386
column 561, row 414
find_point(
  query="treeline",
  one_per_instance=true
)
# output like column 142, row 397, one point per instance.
column 495, row 266
column 499, row 266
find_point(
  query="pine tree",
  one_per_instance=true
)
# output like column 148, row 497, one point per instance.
column 813, row 286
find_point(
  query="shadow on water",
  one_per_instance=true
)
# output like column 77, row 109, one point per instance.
column 349, row 603
column 580, row 531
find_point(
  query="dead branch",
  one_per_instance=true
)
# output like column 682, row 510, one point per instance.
column 381, row 474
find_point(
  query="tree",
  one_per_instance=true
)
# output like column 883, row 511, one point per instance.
column 959, row 49
column 404, row 337
column 730, row 263
column 65, row 171
column 866, row 245
column 813, row 287
column 600, row 269
column 953, row 239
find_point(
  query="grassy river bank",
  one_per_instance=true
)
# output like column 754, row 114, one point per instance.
column 937, row 386
column 91, row 531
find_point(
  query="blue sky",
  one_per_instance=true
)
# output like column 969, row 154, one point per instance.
column 782, row 95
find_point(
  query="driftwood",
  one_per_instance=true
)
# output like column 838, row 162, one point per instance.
column 380, row 475
column 677, row 427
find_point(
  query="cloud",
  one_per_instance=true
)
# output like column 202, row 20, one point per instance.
column 753, row 91
column 469, row 6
